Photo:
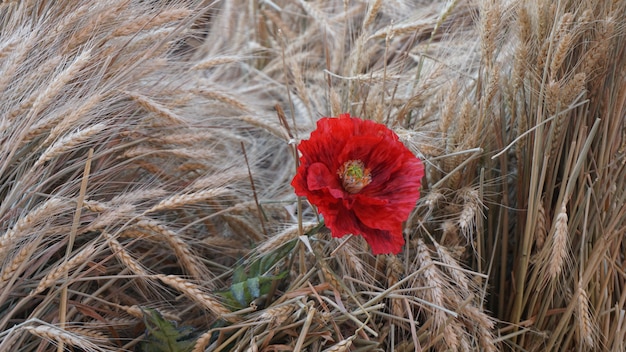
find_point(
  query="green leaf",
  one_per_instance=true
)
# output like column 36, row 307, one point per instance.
column 250, row 279
column 163, row 335
column 239, row 274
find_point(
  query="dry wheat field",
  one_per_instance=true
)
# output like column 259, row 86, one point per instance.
column 147, row 150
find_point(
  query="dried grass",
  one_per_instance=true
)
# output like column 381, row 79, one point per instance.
column 516, row 108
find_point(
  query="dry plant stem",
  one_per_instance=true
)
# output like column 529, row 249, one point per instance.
column 305, row 329
column 256, row 198
column 70, row 243
column 343, row 242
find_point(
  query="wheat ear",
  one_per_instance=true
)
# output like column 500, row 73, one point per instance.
column 559, row 253
column 59, row 271
column 124, row 256
column 69, row 142
column 62, row 336
column 49, row 207
column 195, row 293
column 585, row 324
column 190, row 261
column 147, row 22
column 180, row 200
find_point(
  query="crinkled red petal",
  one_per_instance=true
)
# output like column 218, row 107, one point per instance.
column 378, row 210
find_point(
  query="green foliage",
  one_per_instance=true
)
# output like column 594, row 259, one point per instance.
column 251, row 279
column 163, row 335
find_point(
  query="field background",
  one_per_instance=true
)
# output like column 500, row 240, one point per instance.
column 146, row 151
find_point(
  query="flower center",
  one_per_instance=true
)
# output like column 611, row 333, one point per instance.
column 354, row 175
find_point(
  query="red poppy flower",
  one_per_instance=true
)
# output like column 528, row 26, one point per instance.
column 362, row 179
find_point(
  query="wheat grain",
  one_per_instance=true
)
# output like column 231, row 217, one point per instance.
column 225, row 98
column 342, row 345
column 54, row 275
column 330, row 277
column 492, row 88
column 69, row 142
column 84, row 332
column 12, row 269
column 542, row 56
column 585, row 324
column 470, row 212
column 372, row 11
column 13, row 63
column 8, row 47
column 483, row 324
column 147, row 22
column 68, row 121
column 103, row 16
column 552, row 100
column 277, row 315
column 181, row 200
column 597, row 53
column 395, row 269
column 244, row 227
column 124, row 257
column 60, row 81
column 111, row 214
column 451, row 336
column 24, row 223
column 136, row 196
column 491, row 15
column 348, row 256
column 170, row 118
column 559, row 250
column 560, row 53
column 434, row 281
column 203, row 341
column 216, row 61
column 541, row 227
column 283, row 29
column 456, row 271
column 194, row 292
column 572, row 89
column 283, row 237
column 318, row 16
column 68, row 23
column 65, row 337
column 519, row 69
column 42, row 71
column 190, row 262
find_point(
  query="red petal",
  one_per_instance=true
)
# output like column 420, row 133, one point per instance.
column 385, row 241
column 340, row 220
column 378, row 210
column 320, row 178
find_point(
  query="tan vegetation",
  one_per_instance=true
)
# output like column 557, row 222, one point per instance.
column 128, row 211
